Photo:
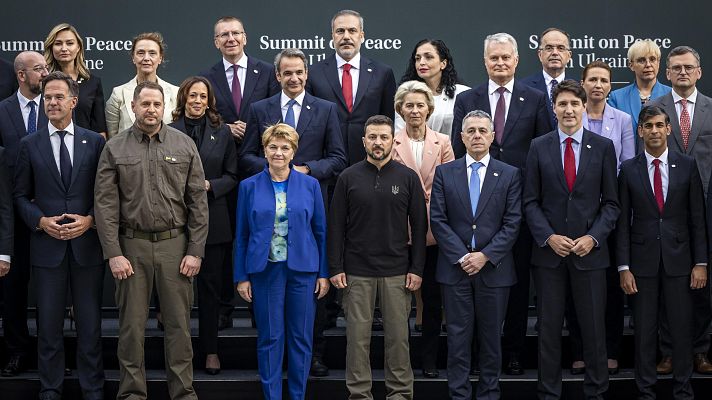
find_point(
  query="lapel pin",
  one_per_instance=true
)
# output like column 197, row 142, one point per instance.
column 673, row 165
column 84, row 141
column 369, row 70
column 588, row 146
column 495, row 174
column 173, row 158
column 430, row 152
column 308, row 108
column 255, row 71
column 521, row 99
column 212, row 137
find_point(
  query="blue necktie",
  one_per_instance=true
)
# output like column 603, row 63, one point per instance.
column 65, row 163
column 289, row 118
column 474, row 192
column 32, row 119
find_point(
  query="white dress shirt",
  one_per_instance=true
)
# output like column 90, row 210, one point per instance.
column 548, row 79
column 417, row 148
column 441, row 118
column 56, row 142
column 355, row 65
column 494, row 96
column 691, row 100
column 25, row 108
column 241, row 72
column 297, row 107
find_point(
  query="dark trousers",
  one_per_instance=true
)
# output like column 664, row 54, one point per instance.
column 471, row 305
column 14, row 318
column 673, row 295
column 209, row 282
column 227, row 285
column 701, row 319
column 86, row 284
column 432, row 311
column 589, row 295
column 515, row 322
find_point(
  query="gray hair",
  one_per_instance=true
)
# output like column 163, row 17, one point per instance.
column 479, row 114
column 347, row 12
column 414, row 87
column 502, row 38
column 289, row 53
column 680, row 50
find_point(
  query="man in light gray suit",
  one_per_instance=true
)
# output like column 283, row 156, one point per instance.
column 691, row 118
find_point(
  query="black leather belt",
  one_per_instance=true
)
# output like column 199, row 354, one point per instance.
column 151, row 236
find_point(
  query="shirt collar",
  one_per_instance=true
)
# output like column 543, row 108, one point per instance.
column 663, row 157
column 69, row 129
column 469, row 160
column 24, row 100
column 577, row 136
column 138, row 133
column 548, row 78
column 355, row 62
column 283, row 99
column 690, row 99
column 492, row 86
column 242, row 62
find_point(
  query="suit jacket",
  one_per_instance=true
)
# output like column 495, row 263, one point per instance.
column 436, row 150
column 219, row 158
column 527, row 118
column 8, row 79
column 7, row 222
column 699, row 145
column 590, row 209
column 627, row 99
column 374, row 96
column 260, row 83
column 321, row 147
column 306, row 249
column 616, row 126
column 39, row 192
column 495, row 224
column 13, row 129
column 643, row 235
column 120, row 117
column 89, row 112
column 537, row 82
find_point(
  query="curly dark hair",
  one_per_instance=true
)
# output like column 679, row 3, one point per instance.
column 449, row 77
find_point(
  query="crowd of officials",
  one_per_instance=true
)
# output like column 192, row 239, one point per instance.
column 279, row 180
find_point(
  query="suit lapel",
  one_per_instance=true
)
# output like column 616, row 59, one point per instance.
column 305, row 115
column 461, row 185
column 127, row 93
column 208, row 142
column 275, row 110
column 42, row 120
column 332, row 76
column 252, row 75
column 80, row 144
column 364, row 79
column 221, row 85
column 44, row 147
column 490, row 182
column 642, row 168
column 669, row 107
column 674, row 176
column 515, row 108
column 585, row 154
column 701, row 114
column 431, row 154
column 402, row 146
column 555, row 155
column 16, row 117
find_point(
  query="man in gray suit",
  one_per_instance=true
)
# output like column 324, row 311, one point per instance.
column 690, row 114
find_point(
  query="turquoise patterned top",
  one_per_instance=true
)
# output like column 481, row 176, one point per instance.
column 278, row 246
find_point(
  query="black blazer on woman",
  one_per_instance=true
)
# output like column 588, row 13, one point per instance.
column 89, row 113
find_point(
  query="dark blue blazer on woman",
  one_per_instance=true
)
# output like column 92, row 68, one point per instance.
column 306, row 240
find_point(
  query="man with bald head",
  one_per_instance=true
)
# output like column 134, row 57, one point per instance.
column 20, row 115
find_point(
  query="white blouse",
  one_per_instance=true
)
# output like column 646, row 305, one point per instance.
column 441, row 120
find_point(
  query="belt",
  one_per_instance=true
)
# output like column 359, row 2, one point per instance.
column 150, row 236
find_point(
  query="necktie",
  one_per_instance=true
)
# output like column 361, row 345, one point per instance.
column 499, row 115
column 658, row 185
column 65, row 163
column 551, row 98
column 289, row 118
column 474, row 192
column 236, row 89
column 347, row 87
column 32, row 119
column 685, row 124
column 569, row 164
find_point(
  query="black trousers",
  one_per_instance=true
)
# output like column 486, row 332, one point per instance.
column 17, row 336
column 210, row 281
column 432, row 310
column 701, row 319
column 515, row 322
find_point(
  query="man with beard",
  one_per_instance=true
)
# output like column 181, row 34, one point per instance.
column 370, row 259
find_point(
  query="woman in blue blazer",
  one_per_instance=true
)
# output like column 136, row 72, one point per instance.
column 280, row 260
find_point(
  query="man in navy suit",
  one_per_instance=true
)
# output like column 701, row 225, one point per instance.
column 54, row 194
column 519, row 115
column 571, row 206
column 661, row 249
column 20, row 114
column 361, row 87
column 554, row 53
column 8, row 81
column 475, row 230
column 321, row 150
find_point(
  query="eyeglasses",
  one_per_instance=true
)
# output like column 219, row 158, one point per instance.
column 679, row 68
column 643, row 61
column 560, row 48
column 38, row 69
column 226, row 35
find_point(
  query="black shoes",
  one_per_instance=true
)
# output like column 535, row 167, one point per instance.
column 318, row 368
column 224, row 322
column 430, row 373
column 13, row 367
column 514, row 367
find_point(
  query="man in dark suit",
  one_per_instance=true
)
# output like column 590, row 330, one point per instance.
column 554, row 53
column 571, row 206
column 54, row 194
column 360, row 87
column 20, row 114
column 661, row 248
column 238, row 80
column 321, row 149
column 519, row 116
column 691, row 124
column 475, row 230
column 8, row 81
column 7, row 220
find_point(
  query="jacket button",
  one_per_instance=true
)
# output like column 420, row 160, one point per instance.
column 474, row 227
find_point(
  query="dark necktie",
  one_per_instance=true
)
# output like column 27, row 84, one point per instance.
column 551, row 98
column 347, row 87
column 685, row 124
column 658, row 185
column 499, row 113
column 65, row 163
column 474, row 192
column 32, row 119
column 569, row 164
column 236, row 89
column 289, row 118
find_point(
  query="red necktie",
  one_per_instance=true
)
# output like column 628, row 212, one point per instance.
column 658, row 185
column 569, row 164
column 236, row 90
column 684, row 124
column 347, row 88
column 499, row 119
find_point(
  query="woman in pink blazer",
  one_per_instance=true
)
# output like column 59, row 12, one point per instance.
column 422, row 149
